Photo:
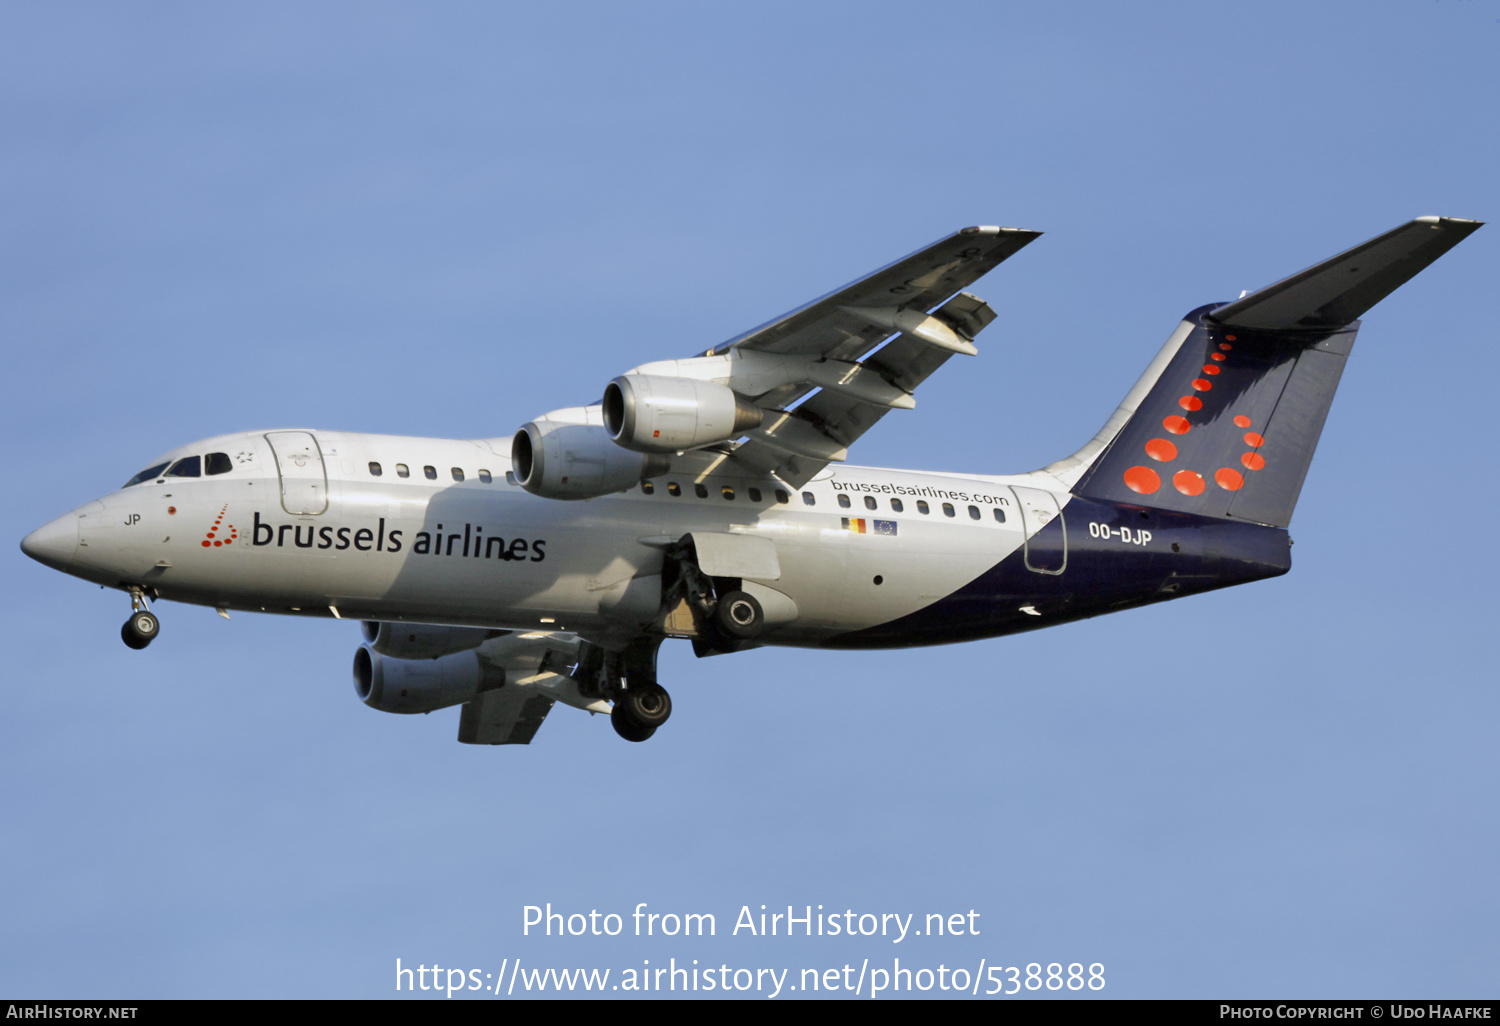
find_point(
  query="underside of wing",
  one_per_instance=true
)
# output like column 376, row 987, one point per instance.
column 867, row 347
column 508, row 716
column 787, row 398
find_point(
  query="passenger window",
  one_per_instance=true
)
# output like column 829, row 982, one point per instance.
column 647, row 488
column 402, row 470
column 727, row 492
column 218, row 463
column 922, row 507
column 458, row 475
column 754, row 494
column 999, row 515
column 870, row 502
column 190, row 467
column 782, row 497
column 948, row 509
column 673, row 488
column 700, row 490
column 145, row 475
column 843, row 501
column 973, row 512
column 808, row 500
column 896, row 506
column 374, row 469
column 486, row 477
column 430, row 473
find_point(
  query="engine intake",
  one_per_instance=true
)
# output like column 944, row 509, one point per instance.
column 421, row 685
column 568, row 455
column 646, row 413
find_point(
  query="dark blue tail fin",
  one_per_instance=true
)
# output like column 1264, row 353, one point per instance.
column 1229, row 426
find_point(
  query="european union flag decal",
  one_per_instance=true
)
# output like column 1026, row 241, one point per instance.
column 887, row 527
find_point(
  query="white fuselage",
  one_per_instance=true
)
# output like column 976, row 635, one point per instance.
column 342, row 540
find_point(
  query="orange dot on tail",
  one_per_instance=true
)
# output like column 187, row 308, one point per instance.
column 207, row 543
column 1229, row 479
column 217, row 544
column 1253, row 460
column 1142, row 480
column 1161, row 450
column 1220, row 357
column 1177, row 425
column 1188, row 483
column 1253, row 440
column 1211, row 368
column 228, row 541
column 1202, row 384
column 1242, row 421
column 1231, row 338
column 1190, row 402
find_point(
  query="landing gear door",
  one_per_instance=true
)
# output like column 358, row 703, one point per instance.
column 1046, row 531
column 299, row 461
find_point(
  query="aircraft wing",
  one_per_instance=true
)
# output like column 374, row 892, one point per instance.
column 786, row 398
column 837, row 336
column 505, row 716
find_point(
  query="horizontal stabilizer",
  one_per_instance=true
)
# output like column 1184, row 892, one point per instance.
column 1339, row 290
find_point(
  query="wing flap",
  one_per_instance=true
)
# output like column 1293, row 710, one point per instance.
column 918, row 281
column 506, row 716
column 820, row 431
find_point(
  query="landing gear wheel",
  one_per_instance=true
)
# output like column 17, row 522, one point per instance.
column 625, row 728
column 140, row 630
column 645, row 705
column 739, row 616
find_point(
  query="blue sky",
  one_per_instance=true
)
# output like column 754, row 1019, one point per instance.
column 448, row 219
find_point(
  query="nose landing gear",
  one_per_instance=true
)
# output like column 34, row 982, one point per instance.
column 143, row 626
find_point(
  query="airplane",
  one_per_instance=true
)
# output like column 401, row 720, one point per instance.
column 709, row 499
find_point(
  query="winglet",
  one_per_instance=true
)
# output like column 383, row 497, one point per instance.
column 1340, row 289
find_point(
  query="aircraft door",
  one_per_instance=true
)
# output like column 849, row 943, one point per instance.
column 1046, row 530
column 299, row 461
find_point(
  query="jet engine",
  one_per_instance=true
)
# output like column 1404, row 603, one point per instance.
column 423, row 641
column 646, row 413
column 567, row 455
column 422, row 685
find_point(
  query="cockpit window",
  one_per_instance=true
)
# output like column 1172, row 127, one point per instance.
column 217, row 463
column 145, row 475
column 192, row 466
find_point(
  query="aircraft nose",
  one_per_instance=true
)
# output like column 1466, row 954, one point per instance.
column 55, row 543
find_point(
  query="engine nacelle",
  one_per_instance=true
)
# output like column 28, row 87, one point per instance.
column 422, row 641
column 568, row 455
column 422, row 685
column 646, row 413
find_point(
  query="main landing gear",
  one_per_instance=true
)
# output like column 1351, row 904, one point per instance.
column 143, row 626
column 639, row 710
column 628, row 680
column 739, row 616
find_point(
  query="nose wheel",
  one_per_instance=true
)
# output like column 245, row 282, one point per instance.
column 143, row 626
column 140, row 630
